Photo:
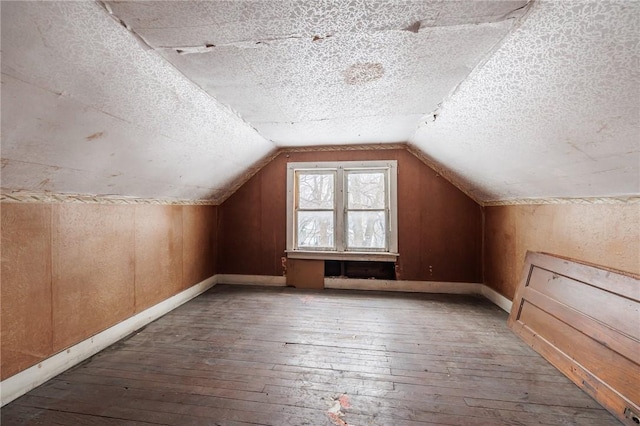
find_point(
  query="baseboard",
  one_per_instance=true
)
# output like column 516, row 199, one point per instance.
column 421, row 287
column 379, row 285
column 498, row 299
column 403, row 285
column 263, row 280
column 21, row 383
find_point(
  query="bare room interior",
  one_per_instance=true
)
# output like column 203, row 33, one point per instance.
column 358, row 212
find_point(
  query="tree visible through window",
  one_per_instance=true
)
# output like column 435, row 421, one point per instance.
column 315, row 209
column 346, row 206
column 366, row 209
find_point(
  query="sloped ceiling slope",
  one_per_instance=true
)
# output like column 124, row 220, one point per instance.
column 554, row 112
column 511, row 99
column 86, row 110
column 324, row 72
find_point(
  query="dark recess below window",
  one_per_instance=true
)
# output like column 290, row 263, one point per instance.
column 360, row 269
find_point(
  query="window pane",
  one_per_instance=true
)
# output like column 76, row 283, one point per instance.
column 315, row 190
column 366, row 190
column 366, row 230
column 315, row 229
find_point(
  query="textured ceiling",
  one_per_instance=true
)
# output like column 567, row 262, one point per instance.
column 554, row 112
column 331, row 72
column 514, row 99
column 85, row 110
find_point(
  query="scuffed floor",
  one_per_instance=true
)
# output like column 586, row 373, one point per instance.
column 281, row 356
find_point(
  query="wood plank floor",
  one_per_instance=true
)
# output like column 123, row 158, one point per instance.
column 281, row 356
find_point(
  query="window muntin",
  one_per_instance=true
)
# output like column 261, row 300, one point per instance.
column 342, row 207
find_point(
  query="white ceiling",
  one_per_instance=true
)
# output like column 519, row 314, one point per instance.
column 530, row 100
column 86, row 110
column 555, row 111
column 324, row 72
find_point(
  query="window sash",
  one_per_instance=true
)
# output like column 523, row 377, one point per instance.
column 297, row 209
column 385, row 209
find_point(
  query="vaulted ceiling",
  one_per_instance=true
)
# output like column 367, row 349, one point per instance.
column 180, row 100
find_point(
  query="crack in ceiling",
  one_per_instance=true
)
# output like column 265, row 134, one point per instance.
column 256, row 42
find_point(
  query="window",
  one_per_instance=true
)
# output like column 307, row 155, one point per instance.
column 342, row 210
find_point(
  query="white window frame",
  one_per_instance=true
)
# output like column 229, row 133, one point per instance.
column 341, row 168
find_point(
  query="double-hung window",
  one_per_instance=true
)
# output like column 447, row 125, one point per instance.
column 342, row 210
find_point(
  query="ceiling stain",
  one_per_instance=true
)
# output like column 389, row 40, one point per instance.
column 414, row 28
column 361, row 73
column 95, row 136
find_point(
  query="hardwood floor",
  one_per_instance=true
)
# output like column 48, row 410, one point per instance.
column 281, row 356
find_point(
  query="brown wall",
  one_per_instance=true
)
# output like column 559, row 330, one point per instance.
column 70, row 271
column 605, row 235
column 439, row 235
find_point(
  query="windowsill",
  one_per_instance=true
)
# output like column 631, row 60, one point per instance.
column 347, row 255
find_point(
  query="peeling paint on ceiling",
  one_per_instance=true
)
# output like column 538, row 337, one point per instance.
column 181, row 100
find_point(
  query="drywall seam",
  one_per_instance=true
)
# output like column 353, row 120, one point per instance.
column 21, row 383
